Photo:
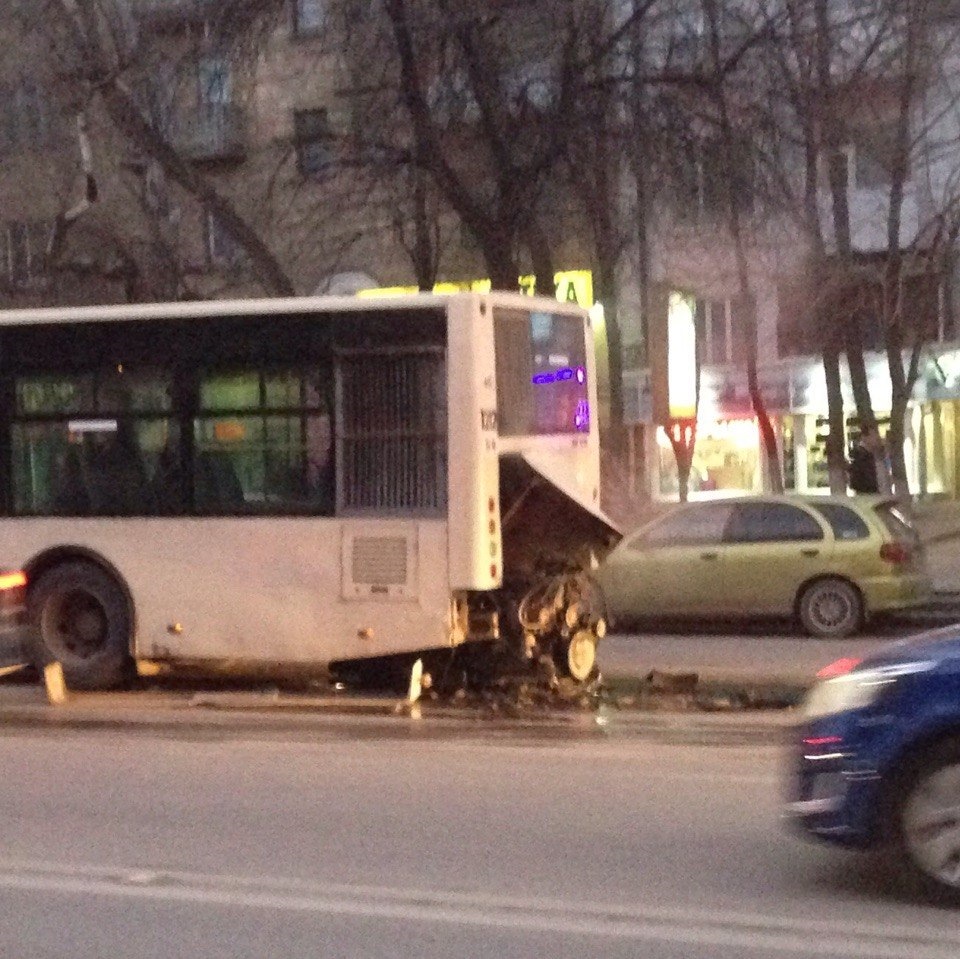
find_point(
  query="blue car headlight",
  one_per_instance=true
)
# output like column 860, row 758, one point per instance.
column 857, row 689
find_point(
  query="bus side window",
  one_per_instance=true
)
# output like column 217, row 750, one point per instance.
column 115, row 476
column 71, row 497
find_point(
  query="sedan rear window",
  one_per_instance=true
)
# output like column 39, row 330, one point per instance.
column 845, row 522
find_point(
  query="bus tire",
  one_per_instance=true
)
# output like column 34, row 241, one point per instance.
column 80, row 617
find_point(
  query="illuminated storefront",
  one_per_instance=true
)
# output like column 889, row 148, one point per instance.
column 728, row 458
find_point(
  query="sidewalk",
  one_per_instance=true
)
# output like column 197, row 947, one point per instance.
column 937, row 519
column 938, row 522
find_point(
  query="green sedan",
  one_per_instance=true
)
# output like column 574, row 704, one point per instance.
column 829, row 562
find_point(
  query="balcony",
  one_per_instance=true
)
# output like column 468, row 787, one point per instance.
column 211, row 133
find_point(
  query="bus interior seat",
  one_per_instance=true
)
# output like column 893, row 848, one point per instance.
column 116, row 477
column 217, row 489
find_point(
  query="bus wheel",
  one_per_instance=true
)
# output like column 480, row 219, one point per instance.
column 80, row 618
column 578, row 655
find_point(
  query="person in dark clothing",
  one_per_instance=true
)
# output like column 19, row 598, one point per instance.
column 863, row 468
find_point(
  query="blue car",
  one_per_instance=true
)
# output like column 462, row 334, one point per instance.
column 878, row 757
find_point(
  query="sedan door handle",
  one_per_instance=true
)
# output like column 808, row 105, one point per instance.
column 809, row 552
column 709, row 555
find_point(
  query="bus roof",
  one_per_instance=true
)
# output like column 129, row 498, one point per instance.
column 200, row 309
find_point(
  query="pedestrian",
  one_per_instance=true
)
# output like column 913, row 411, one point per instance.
column 863, row 466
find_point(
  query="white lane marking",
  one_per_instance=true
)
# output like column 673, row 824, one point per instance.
column 839, row 938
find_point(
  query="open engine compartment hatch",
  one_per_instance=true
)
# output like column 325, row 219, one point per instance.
column 545, row 522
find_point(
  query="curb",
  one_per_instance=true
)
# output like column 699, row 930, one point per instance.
column 945, row 537
column 307, row 721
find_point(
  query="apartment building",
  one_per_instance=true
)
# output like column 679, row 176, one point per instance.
column 275, row 112
column 265, row 115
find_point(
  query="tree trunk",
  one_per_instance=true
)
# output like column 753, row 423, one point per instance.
column 837, row 176
column 895, row 442
column 683, row 444
column 424, row 259
column 501, row 265
column 859, row 381
column 617, row 435
column 541, row 256
column 736, row 228
column 640, row 172
column 836, row 451
column 767, row 434
column 643, row 261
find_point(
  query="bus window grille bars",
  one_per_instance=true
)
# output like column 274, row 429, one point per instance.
column 392, row 433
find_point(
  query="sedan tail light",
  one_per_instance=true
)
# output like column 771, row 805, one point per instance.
column 895, row 553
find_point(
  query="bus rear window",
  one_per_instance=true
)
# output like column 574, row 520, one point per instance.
column 541, row 373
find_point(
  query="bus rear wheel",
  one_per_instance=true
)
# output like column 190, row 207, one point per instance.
column 80, row 617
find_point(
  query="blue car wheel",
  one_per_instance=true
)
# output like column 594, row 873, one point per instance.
column 928, row 821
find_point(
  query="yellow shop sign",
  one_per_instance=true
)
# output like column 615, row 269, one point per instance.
column 573, row 286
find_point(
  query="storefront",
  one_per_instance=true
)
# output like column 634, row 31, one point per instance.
column 728, row 458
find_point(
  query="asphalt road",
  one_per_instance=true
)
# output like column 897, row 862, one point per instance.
column 515, row 846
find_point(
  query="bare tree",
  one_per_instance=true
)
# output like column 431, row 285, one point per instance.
column 98, row 42
column 865, row 82
column 915, row 271
column 736, row 162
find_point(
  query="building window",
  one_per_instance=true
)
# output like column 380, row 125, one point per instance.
column 718, row 339
column 867, row 159
column 26, row 118
column 722, row 330
column 875, row 154
column 357, row 10
column 215, row 81
column 314, row 140
column 23, row 252
column 157, row 94
column 531, row 84
column 450, row 96
column 701, row 179
column 221, row 248
column 309, row 17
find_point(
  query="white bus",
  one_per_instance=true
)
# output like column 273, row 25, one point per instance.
column 284, row 484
